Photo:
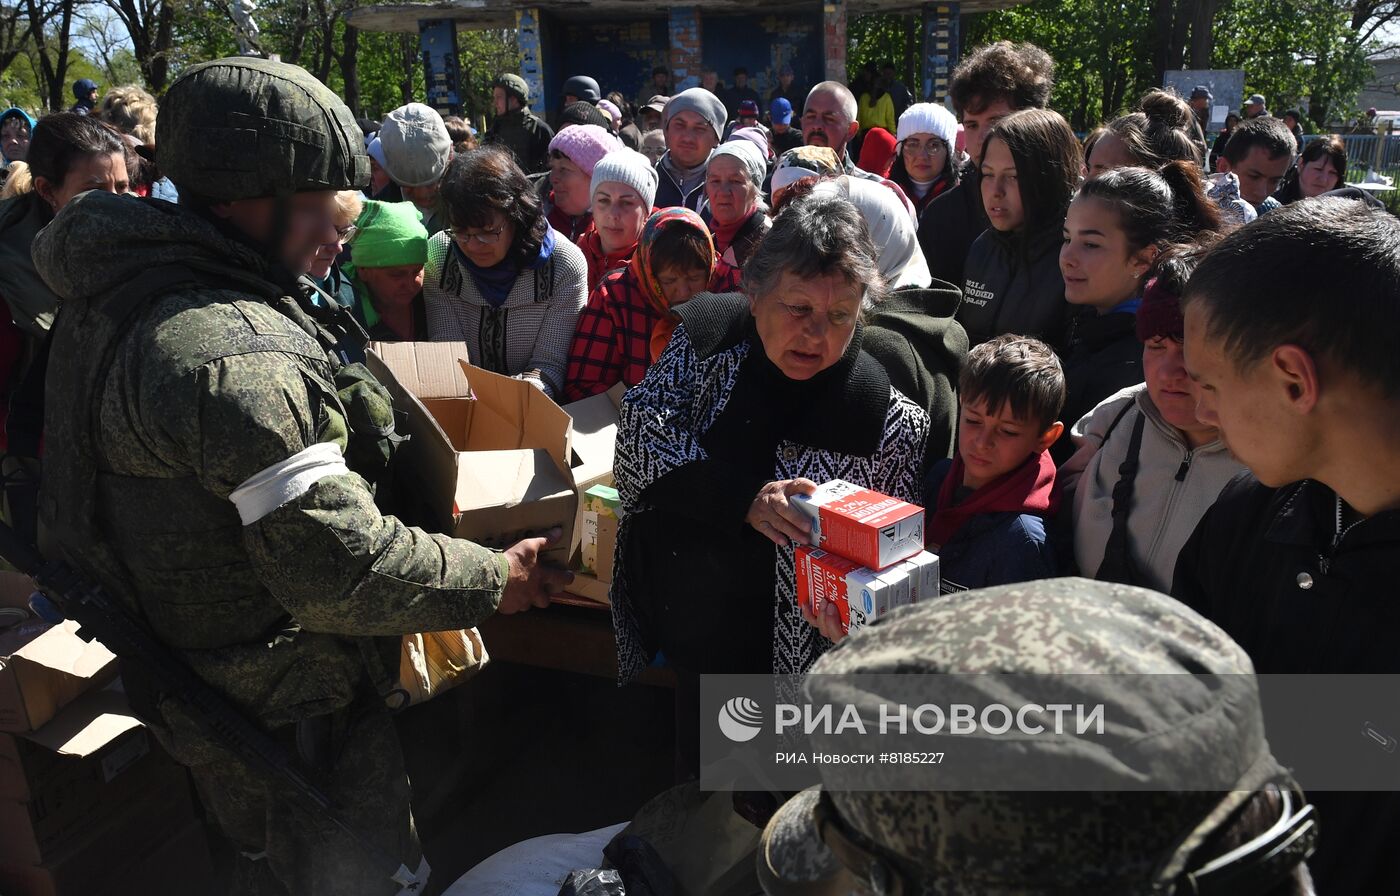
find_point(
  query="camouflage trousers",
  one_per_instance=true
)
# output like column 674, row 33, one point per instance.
column 286, row 849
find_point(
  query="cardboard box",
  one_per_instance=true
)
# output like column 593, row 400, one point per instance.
column 492, row 455
column 45, row 667
column 155, row 845
column 87, row 764
column 594, row 444
column 872, row 529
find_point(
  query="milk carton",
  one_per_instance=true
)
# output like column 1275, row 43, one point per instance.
column 870, row 595
column 821, row 579
column 874, row 530
column 923, row 576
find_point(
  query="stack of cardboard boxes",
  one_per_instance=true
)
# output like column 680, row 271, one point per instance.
column 89, row 804
column 867, row 555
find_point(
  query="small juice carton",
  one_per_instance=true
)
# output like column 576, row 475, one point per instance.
column 601, row 509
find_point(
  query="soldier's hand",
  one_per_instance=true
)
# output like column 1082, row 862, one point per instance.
column 531, row 582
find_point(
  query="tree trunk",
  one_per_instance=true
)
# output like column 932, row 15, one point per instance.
column 53, row 69
column 349, row 69
column 410, row 56
column 1203, row 33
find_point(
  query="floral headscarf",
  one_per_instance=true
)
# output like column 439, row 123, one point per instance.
column 643, row 270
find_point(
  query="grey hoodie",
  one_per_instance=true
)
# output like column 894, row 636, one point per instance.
column 1174, row 487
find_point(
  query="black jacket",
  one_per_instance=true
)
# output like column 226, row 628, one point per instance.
column 526, row 135
column 1012, row 284
column 949, row 226
column 1244, row 568
column 914, row 335
column 1102, row 357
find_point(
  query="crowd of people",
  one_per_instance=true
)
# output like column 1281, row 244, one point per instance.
column 1136, row 358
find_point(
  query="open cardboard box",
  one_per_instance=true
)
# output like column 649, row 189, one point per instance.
column 45, row 667
column 490, row 454
column 61, row 784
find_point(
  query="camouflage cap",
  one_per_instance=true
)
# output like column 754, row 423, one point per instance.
column 832, row 839
column 247, row 128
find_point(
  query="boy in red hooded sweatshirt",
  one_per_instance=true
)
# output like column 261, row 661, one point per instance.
column 988, row 506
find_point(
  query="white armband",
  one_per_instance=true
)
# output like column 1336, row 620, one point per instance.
column 286, row 481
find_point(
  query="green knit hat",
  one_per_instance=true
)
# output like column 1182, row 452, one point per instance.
column 389, row 234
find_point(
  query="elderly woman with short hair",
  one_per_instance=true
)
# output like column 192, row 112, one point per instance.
column 755, row 399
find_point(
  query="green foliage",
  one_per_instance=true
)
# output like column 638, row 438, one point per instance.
column 1292, row 51
column 883, row 37
column 1101, row 48
column 1296, row 52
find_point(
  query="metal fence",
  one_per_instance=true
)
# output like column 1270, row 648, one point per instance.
column 1361, row 150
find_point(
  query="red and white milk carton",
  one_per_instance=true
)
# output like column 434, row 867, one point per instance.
column 874, row 530
column 821, row 579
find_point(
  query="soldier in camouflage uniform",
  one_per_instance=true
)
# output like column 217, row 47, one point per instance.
column 211, row 460
column 1183, row 774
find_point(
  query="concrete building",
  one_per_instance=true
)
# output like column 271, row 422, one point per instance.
column 620, row 42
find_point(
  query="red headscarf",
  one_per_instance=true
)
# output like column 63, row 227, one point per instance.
column 643, row 270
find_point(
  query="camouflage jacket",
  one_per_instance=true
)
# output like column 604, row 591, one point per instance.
column 201, row 391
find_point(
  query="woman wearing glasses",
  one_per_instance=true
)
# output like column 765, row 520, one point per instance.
column 756, row 398
column 331, row 282
column 923, row 166
column 500, row 278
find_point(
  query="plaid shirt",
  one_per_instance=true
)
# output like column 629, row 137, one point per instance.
column 613, row 341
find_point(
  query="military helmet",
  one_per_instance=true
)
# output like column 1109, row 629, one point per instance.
column 247, row 128
column 514, row 84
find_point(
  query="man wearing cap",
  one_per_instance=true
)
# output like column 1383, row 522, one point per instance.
column 210, row 462
column 693, row 122
column 784, row 135
column 659, row 85
column 1156, row 805
column 85, row 92
column 789, row 90
column 386, row 270
column 650, row 112
column 1200, row 108
column 516, row 128
column 1254, row 107
column 416, row 149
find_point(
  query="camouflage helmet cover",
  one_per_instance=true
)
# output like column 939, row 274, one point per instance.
column 247, row 128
